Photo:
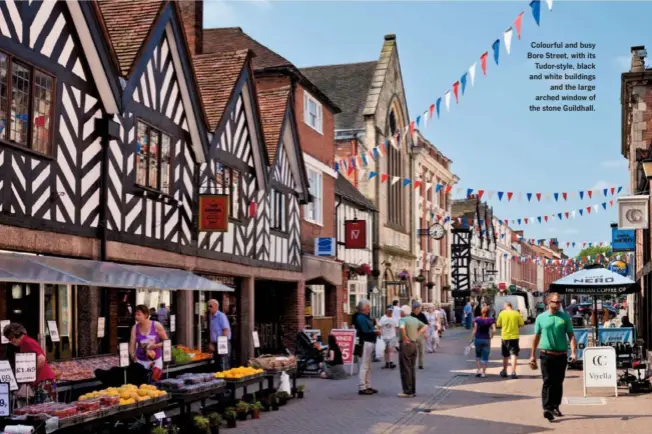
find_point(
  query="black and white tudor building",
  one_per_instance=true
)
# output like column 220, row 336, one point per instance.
column 112, row 123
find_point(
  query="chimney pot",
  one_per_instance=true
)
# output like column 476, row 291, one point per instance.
column 638, row 58
column 390, row 37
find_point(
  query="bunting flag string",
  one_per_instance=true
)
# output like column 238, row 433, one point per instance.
column 555, row 242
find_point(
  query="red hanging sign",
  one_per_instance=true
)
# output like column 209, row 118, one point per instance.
column 355, row 234
column 213, row 213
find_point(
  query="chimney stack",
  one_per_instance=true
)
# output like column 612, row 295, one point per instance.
column 192, row 14
column 638, row 58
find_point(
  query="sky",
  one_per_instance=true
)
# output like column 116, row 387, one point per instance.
column 495, row 142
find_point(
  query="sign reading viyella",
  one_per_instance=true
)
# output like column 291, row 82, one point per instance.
column 355, row 234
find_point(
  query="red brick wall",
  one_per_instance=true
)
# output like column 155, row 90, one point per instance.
column 292, row 314
column 343, row 151
column 192, row 15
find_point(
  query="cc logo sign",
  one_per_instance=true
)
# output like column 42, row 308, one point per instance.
column 634, row 215
column 599, row 361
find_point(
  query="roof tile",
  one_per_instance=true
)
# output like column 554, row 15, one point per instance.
column 217, row 75
column 273, row 106
column 127, row 23
column 233, row 39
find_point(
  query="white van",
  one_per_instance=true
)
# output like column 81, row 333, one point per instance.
column 518, row 303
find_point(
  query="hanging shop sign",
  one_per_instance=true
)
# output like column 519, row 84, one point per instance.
column 623, row 240
column 633, row 212
column 355, row 234
column 325, row 246
column 213, row 212
column 619, row 267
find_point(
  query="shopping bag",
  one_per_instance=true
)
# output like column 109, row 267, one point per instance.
column 285, row 383
column 380, row 346
column 467, row 350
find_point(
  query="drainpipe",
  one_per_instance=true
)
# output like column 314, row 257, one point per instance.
column 108, row 130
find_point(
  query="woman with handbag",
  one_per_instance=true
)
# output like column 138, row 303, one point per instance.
column 146, row 343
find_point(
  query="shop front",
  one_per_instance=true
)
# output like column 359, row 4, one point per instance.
column 324, row 297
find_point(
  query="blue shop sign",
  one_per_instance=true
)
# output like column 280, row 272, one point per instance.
column 623, row 240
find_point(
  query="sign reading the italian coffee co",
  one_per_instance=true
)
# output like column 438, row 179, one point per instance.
column 213, row 213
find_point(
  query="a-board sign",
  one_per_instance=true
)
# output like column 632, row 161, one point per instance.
column 25, row 367
column 7, row 375
column 167, row 351
column 124, row 354
column 256, row 339
column 600, row 368
column 173, row 323
column 101, row 321
column 3, row 324
column 222, row 345
column 346, row 341
column 4, row 399
column 54, row 331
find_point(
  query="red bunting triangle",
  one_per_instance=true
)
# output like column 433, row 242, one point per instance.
column 509, row 195
column 456, row 91
column 590, row 193
column 539, row 197
column 525, row 220
column 432, row 110
column 518, row 23
column 588, row 209
column 566, row 213
column 483, row 62
column 384, row 177
column 480, row 193
column 565, row 196
column 545, row 217
column 611, row 203
column 417, row 184
column 449, row 188
column 350, row 169
column 613, row 190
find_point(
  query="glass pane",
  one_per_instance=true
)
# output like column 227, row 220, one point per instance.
column 235, row 195
column 42, row 105
column 165, row 165
column 142, row 143
column 4, row 94
column 65, row 314
column 153, row 160
column 219, row 178
column 20, row 82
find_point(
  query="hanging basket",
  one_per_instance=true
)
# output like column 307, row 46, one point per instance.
column 420, row 278
column 430, row 285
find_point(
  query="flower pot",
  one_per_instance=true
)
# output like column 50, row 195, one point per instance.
column 300, row 394
column 242, row 416
column 255, row 414
column 231, row 423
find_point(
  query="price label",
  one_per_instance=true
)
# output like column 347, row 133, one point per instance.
column 25, row 367
column 222, row 345
column 4, row 399
column 160, row 415
column 101, row 321
column 124, row 354
column 173, row 323
column 167, row 350
column 7, row 375
column 54, row 331
column 3, row 324
column 256, row 339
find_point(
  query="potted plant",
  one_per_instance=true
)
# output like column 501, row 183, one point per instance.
column 430, row 285
column 364, row 270
column 215, row 421
column 159, row 430
column 352, row 272
column 255, row 410
column 242, row 408
column 173, row 429
column 230, row 417
column 282, row 398
column 202, row 425
column 420, row 278
column 404, row 275
column 300, row 389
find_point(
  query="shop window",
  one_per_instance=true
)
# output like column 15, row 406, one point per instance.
column 17, row 303
column 313, row 210
column 279, row 211
column 58, row 304
column 318, row 300
column 357, row 291
column 153, row 158
column 228, row 181
column 26, row 105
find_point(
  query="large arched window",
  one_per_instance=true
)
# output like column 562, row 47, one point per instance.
column 396, row 210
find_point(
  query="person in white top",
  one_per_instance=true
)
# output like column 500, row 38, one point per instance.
column 388, row 326
column 443, row 320
column 396, row 311
column 432, row 338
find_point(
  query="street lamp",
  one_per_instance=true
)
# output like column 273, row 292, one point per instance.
column 647, row 168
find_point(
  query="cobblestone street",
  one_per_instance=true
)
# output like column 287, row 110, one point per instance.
column 450, row 399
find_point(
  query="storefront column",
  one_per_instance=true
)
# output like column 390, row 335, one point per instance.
column 247, row 315
column 185, row 325
column 88, row 302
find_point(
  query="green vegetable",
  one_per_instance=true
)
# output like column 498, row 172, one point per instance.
column 179, row 357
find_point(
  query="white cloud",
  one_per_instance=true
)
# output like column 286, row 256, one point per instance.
column 615, row 164
column 571, row 231
column 623, row 62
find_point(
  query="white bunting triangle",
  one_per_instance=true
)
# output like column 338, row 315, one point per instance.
column 573, row 212
column 508, row 39
column 549, row 2
column 395, row 179
column 472, row 73
column 425, row 119
column 595, row 207
column 428, row 186
column 490, row 193
column 447, row 100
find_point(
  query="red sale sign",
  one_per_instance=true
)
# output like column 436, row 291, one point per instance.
column 346, row 341
column 355, row 234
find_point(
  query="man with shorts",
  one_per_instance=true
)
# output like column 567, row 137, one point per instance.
column 509, row 320
column 388, row 326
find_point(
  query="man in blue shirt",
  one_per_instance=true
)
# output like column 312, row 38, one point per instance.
column 219, row 326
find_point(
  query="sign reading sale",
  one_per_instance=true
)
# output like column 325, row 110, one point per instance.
column 355, row 234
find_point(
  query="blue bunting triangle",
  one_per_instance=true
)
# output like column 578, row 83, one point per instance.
column 529, row 196
column 406, row 182
column 463, row 81
column 604, row 205
column 581, row 195
column 536, row 10
column 605, row 192
column 559, row 216
column 581, row 212
column 500, row 195
column 372, row 174
column 539, row 218
column 438, row 104
column 468, row 192
column 556, row 197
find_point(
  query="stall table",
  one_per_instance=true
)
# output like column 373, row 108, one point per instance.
column 232, row 385
column 185, row 400
column 272, row 374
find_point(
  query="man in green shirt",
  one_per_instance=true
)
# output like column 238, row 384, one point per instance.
column 551, row 330
column 509, row 320
column 411, row 331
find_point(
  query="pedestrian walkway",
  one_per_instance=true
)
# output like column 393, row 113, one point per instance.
column 450, row 399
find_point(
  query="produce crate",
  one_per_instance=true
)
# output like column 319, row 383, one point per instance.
column 243, row 379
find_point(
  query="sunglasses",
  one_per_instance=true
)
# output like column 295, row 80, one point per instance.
column 555, row 301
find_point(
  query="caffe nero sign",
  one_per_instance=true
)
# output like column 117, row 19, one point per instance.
column 623, row 240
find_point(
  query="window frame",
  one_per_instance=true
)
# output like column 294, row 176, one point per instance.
column 319, row 115
column 223, row 168
column 317, row 202
column 282, row 218
column 318, row 292
column 356, row 292
column 395, row 193
column 28, row 146
column 158, row 188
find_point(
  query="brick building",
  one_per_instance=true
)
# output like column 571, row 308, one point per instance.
column 524, row 267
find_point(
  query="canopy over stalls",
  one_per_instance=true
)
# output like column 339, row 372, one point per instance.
column 593, row 281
